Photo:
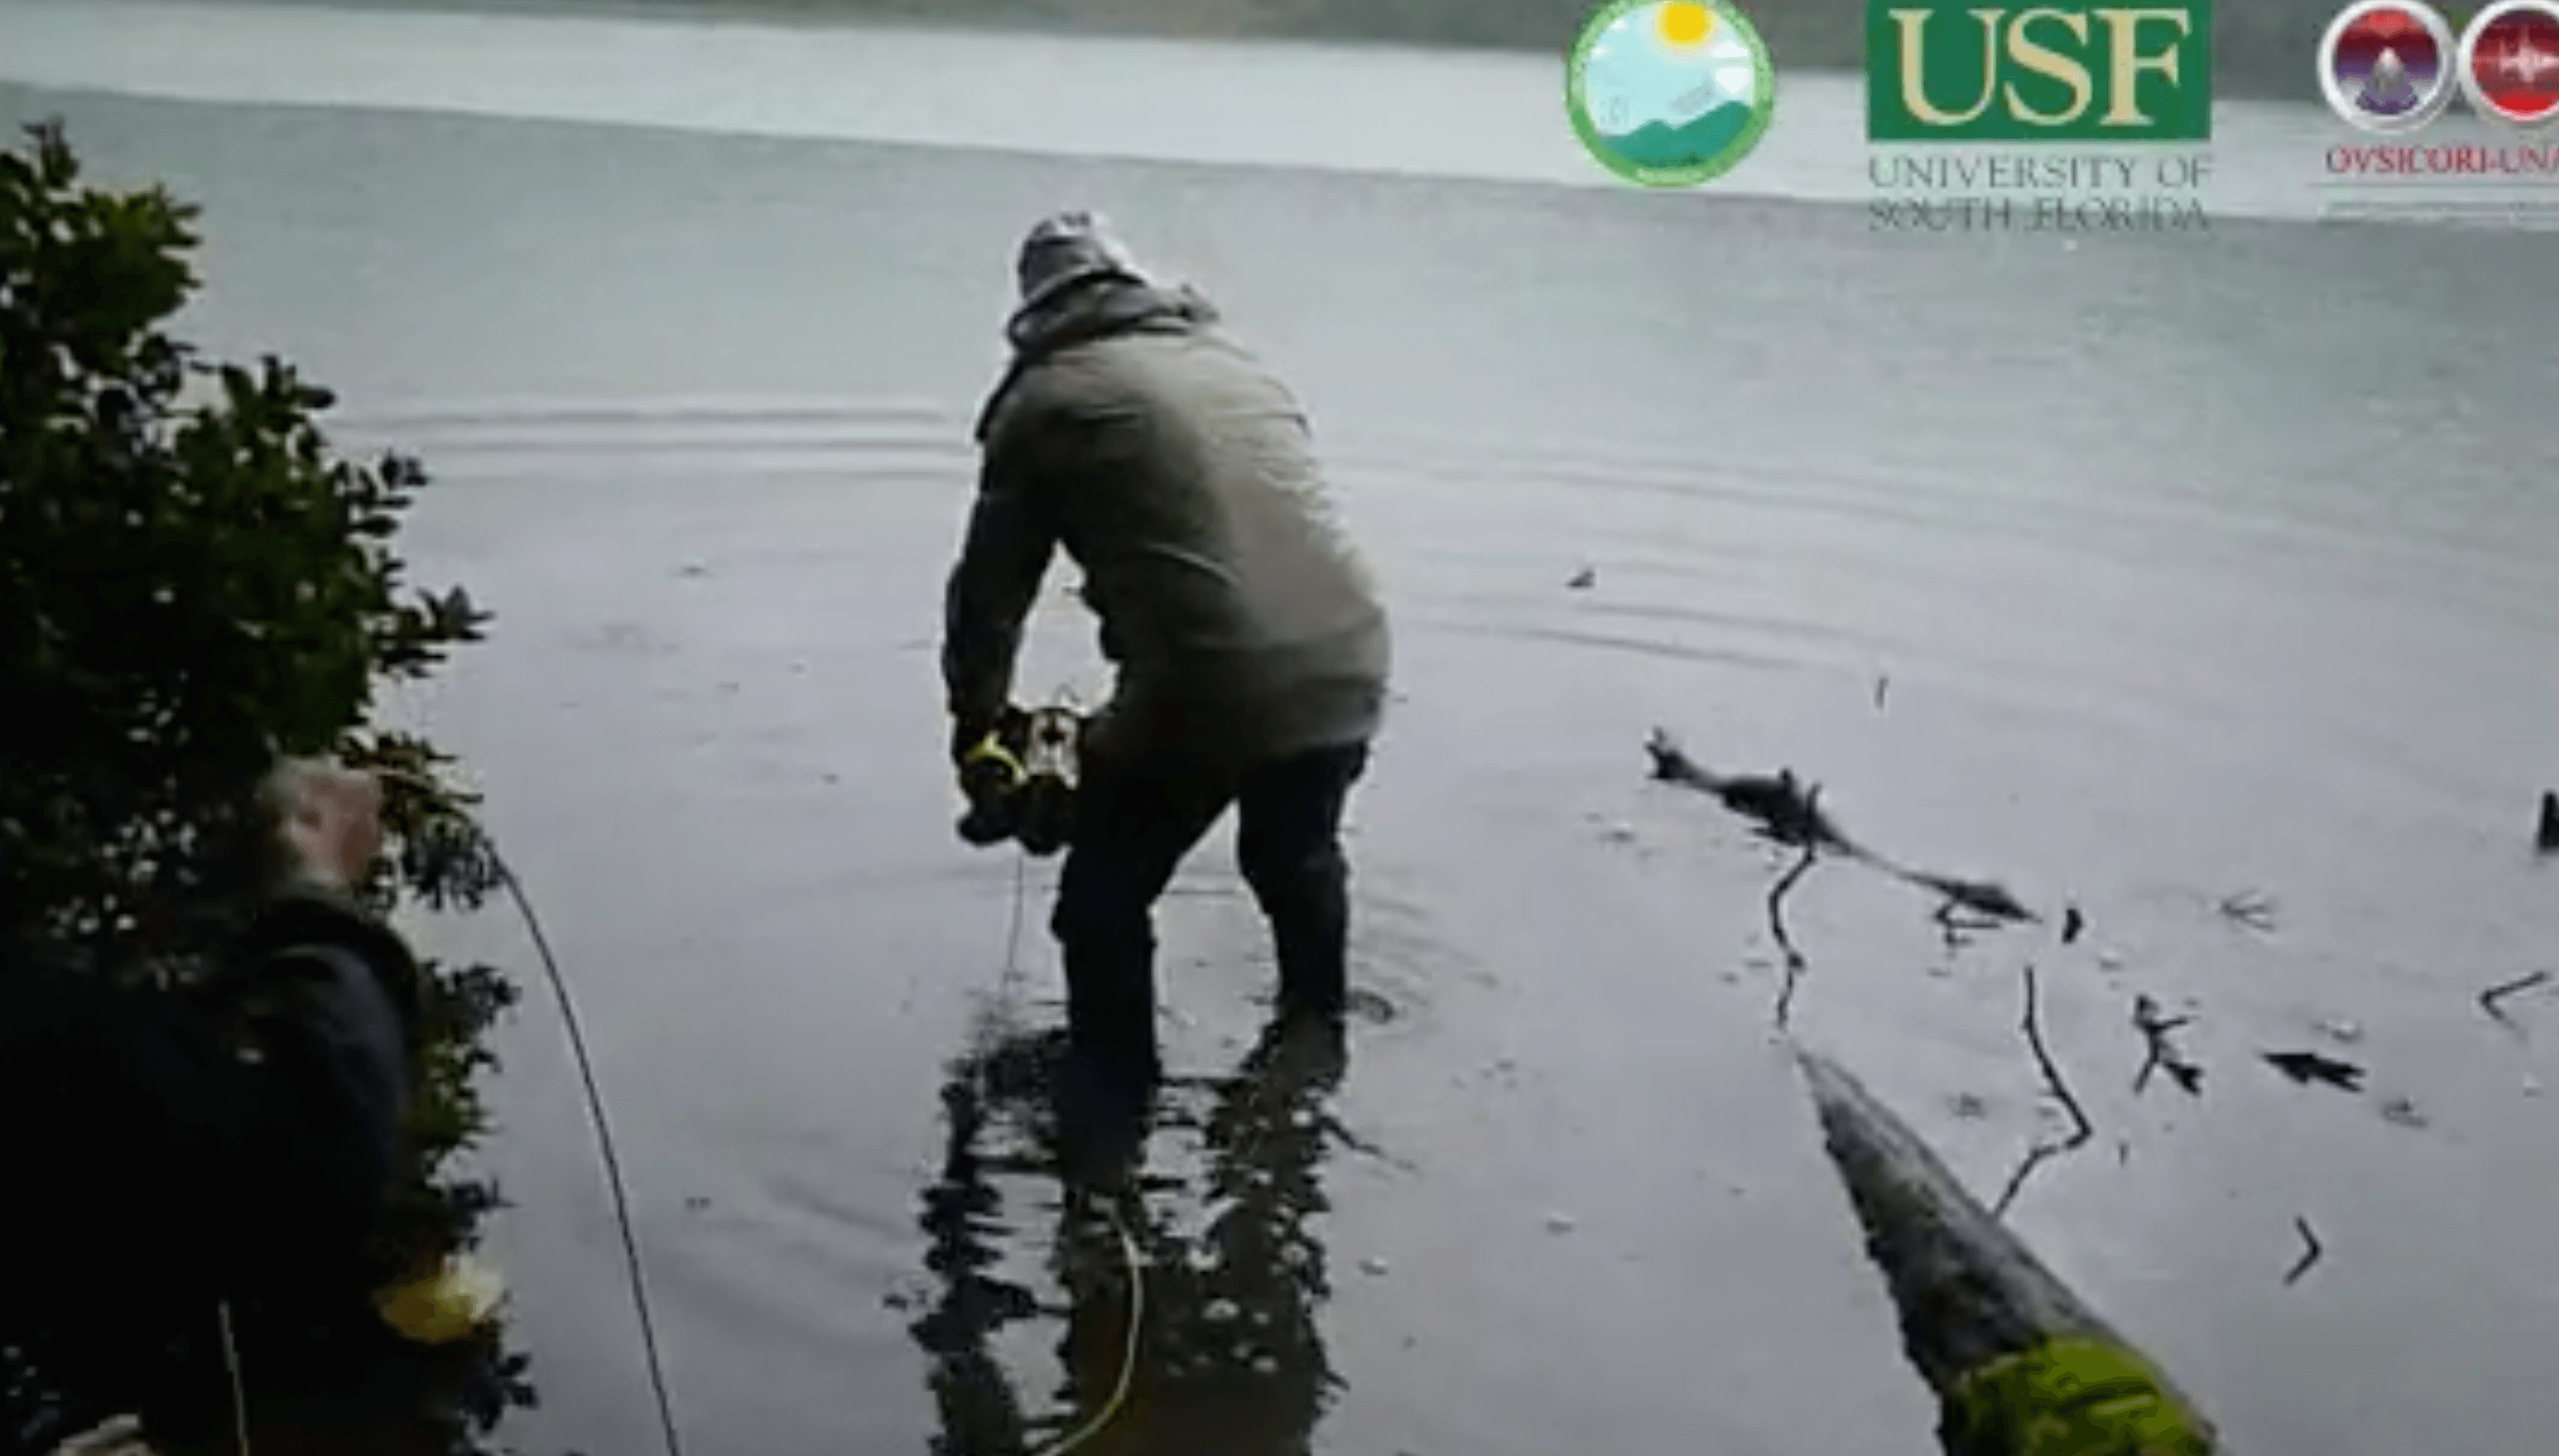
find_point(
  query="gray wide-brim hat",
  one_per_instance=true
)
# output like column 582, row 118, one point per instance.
column 1066, row 248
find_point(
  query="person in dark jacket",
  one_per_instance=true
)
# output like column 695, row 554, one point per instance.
column 232, row 1140
column 1172, row 466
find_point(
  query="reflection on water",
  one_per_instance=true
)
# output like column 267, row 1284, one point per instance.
column 1229, row 1354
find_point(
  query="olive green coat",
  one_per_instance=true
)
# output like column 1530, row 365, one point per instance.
column 1179, row 474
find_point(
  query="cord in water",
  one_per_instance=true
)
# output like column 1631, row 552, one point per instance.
column 603, row 1123
column 1108, row 1409
column 603, row 1142
column 1134, row 1262
column 1131, row 1260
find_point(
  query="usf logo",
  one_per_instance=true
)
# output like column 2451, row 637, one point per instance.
column 1948, row 70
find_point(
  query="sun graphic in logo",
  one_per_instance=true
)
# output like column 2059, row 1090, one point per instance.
column 1684, row 27
column 1669, row 92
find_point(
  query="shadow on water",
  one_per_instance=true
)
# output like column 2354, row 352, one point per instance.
column 1227, row 1354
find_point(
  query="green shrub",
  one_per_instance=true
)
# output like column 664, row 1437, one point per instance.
column 191, row 582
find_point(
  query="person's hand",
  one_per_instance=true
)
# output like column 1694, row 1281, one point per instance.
column 329, row 820
column 966, row 733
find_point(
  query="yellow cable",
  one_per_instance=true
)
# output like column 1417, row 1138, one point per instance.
column 1093, row 1424
column 993, row 748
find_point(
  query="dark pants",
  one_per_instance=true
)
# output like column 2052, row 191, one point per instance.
column 1133, row 831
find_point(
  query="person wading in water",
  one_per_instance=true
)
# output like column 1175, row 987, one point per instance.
column 1174, row 468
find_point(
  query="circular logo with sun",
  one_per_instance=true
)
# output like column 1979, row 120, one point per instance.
column 1669, row 92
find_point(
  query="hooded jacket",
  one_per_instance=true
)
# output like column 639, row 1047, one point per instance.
column 1179, row 474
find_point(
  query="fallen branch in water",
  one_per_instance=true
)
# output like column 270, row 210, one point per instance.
column 1957, row 926
column 1777, row 928
column 2163, row 1055
column 2492, row 1000
column 2082, row 1129
column 2312, row 1253
column 1783, row 805
column 1786, row 811
column 1990, row 901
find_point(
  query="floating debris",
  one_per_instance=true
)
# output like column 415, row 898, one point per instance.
column 1373, row 1267
column 2309, row 1066
column 2072, row 923
column 2312, row 1253
column 2547, row 838
column 2492, row 1000
column 1971, row 1106
column 1882, row 686
column 1583, row 580
column 1559, row 1224
column 2250, row 909
column 2402, row 1111
column 2343, row 1032
column 2156, row 1026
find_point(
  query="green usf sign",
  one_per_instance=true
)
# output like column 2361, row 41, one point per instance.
column 1941, row 70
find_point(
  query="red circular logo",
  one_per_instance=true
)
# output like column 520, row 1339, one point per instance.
column 2510, row 61
column 2388, row 66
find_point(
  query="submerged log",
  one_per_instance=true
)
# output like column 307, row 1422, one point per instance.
column 2019, row 1365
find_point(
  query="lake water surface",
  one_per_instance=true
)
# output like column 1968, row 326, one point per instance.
column 2137, row 572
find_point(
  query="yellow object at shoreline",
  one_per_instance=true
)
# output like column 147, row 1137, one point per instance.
column 455, row 1302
